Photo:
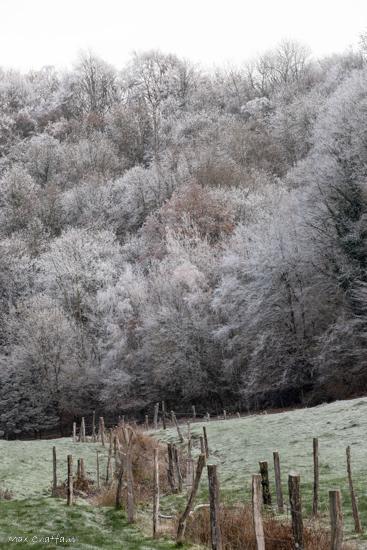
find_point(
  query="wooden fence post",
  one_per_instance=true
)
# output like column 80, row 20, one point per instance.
column 357, row 521
column 336, row 520
column 78, row 471
column 74, row 432
column 155, row 417
column 120, row 484
column 206, row 445
column 146, row 424
column 130, row 489
column 215, row 532
column 183, row 518
column 82, row 430
column 265, row 483
column 315, row 502
column 256, row 512
column 193, row 412
column 156, row 495
column 170, row 470
column 207, row 417
column 202, row 446
column 98, row 476
column 238, row 415
column 178, row 468
column 102, row 430
column 70, row 481
column 94, row 427
column 278, row 483
column 296, row 509
column 54, row 468
column 82, row 469
column 164, row 415
column 225, row 414
column 179, row 433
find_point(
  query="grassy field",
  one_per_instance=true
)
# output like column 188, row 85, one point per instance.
column 26, row 470
column 238, row 445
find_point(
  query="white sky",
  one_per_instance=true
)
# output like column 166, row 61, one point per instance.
column 34, row 33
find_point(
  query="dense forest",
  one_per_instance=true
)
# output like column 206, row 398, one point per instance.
column 169, row 232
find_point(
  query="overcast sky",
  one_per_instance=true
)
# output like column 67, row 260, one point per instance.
column 34, row 33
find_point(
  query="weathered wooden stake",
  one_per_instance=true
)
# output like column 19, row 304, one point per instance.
column 316, row 476
column 183, row 518
column 155, row 421
column 70, row 481
column 215, row 532
column 193, row 412
column 120, row 484
column 202, row 446
column 357, row 521
column 170, row 470
column 296, row 509
column 156, row 494
column 164, row 415
column 225, row 414
column 265, row 483
column 130, row 489
column 98, row 476
column 238, row 415
column 278, row 483
column 206, row 445
column 146, row 423
column 54, row 467
column 78, row 471
column 94, row 427
column 82, row 469
column 336, row 520
column 178, row 468
column 256, row 512
column 102, row 430
column 74, row 432
column 179, row 433
column 207, row 417
column 82, row 430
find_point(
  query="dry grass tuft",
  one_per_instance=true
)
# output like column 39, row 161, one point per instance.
column 238, row 533
column 142, row 455
column 5, row 494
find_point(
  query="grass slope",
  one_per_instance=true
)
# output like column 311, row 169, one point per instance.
column 238, row 445
column 26, row 469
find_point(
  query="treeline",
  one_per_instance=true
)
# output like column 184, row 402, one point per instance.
column 169, row 233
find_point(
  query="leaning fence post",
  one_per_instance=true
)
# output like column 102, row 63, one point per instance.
column 315, row 502
column 357, row 521
column 156, row 495
column 206, row 445
column 174, row 420
column 70, row 481
column 265, row 483
column 54, row 466
column 296, row 509
column 183, row 518
column 278, row 483
column 336, row 520
column 215, row 532
column 256, row 512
